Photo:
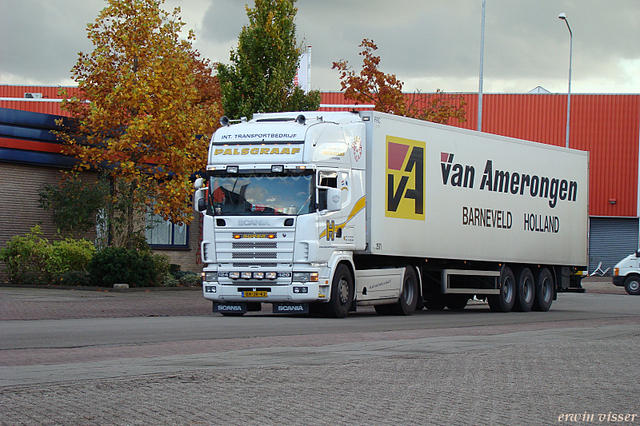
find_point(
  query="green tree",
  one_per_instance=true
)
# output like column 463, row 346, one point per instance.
column 261, row 75
column 75, row 205
column 148, row 104
column 385, row 91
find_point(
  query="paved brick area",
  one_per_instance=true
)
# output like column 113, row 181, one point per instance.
column 512, row 385
column 446, row 377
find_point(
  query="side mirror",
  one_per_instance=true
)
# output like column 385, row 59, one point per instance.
column 200, row 200
column 199, row 183
column 334, row 199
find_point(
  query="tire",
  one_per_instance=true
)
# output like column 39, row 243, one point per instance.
column 456, row 302
column 408, row 295
column 525, row 291
column 632, row 285
column 341, row 293
column 504, row 301
column 544, row 291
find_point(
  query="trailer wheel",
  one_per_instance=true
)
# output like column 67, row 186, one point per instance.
column 525, row 290
column 544, row 291
column 341, row 293
column 457, row 302
column 632, row 285
column 504, row 301
column 408, row 296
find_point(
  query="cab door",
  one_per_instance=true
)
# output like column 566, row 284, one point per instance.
column 334, row 230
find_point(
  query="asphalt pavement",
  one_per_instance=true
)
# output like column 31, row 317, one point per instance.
column 37, row 303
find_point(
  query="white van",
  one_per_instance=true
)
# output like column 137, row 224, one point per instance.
column 627, row 273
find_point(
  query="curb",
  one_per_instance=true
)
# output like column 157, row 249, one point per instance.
column 103, row 289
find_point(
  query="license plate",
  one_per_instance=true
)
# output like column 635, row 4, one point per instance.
column 254, row 294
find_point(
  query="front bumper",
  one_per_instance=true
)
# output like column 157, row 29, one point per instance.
column 293, row 293
column 618, row 280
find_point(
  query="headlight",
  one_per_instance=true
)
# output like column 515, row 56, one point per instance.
column 211, row 276
column 304, row 277
column 234, row 275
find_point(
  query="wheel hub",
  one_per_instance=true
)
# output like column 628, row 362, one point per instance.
column 344, row 291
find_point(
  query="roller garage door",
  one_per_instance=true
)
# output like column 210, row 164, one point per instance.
column 610, row 240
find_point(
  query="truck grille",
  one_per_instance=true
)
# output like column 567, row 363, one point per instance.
column 255, row 245
column 258, row 247
column 254, row 255
column 249, row 265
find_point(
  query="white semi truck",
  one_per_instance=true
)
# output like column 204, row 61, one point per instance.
column 327, row 211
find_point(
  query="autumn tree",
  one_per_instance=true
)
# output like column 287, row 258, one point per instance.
column 260, row 77
column 147, row 107
column 384, row 91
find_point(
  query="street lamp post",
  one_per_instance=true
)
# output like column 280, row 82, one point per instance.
column 481, row 69
column 563, row 16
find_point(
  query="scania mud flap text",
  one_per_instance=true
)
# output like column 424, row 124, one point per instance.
column 290, row 308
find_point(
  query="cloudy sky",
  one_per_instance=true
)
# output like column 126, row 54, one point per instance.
column 428, row 44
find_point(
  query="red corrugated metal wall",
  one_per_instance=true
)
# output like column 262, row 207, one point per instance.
column 46, row 105
column 608, row 126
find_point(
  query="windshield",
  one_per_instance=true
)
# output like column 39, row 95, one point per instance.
column 262, row 194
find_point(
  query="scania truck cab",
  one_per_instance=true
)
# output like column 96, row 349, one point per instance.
column 283, row 208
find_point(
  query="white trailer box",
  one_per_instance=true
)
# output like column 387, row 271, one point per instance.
column 442, row 192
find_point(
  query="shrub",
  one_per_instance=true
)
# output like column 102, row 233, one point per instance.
column 138, row 268
column 32, row 259
column 23, row 256
column 169, row 280
column 177, row 278
column 67, row 255
column 73, row 278
column 190, row 279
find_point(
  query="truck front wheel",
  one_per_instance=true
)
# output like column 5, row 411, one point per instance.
column 504, row 301
column 632, row 285
column 341, row 293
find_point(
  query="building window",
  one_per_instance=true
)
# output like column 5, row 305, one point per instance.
column 163, row 233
